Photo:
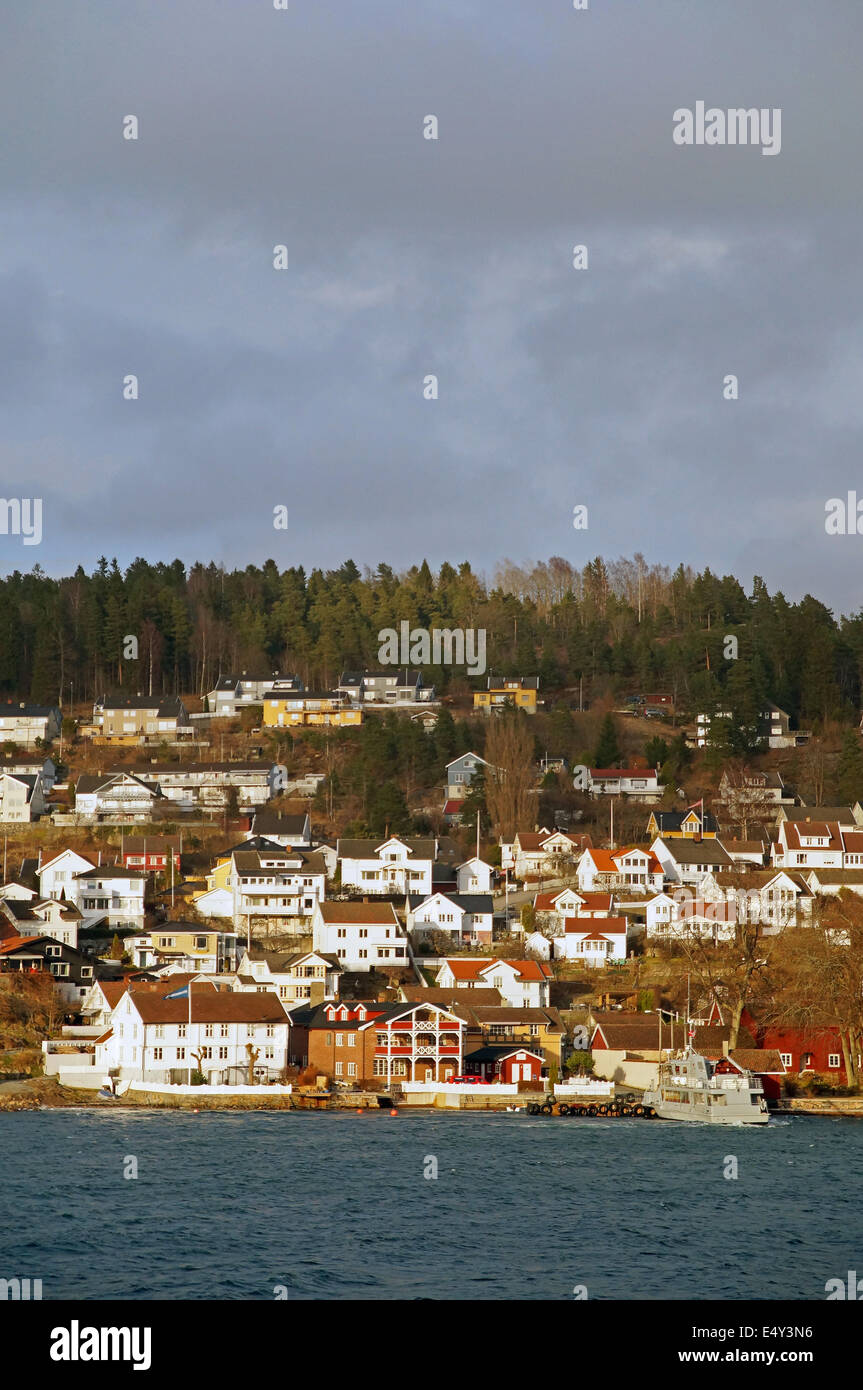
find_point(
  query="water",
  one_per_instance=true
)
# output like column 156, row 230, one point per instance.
column 335, row 1205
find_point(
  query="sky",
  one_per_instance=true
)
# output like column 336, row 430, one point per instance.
column 303, row 388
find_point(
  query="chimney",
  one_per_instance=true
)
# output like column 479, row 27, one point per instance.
column 725, row 1049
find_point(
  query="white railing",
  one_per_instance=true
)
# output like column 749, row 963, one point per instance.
column 496, row 1088
column 587, row 1087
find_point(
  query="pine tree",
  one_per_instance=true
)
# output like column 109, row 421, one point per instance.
column 607, row 749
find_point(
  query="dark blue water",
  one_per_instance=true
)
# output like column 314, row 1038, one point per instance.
column 336, row 1206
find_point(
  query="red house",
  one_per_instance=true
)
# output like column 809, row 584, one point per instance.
column 802, row 1050
column 506, row 1064
column 151, row 852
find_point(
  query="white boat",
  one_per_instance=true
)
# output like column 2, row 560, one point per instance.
column 691, row 1087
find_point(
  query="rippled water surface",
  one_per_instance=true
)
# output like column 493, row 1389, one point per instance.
column 337, row 1206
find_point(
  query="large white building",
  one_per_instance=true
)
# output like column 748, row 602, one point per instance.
column 220, row 1033
column 362, row 936
column 388, row 866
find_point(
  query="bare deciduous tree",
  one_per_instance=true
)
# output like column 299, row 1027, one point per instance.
column 510, row 781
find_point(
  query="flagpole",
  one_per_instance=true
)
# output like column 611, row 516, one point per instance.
column 190, row 1032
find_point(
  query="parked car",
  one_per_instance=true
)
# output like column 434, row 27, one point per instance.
column 467, row 1081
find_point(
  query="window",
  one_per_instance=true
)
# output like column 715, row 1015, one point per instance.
column 352, row 1039
column 181, row 1030
column 340, row 1039
column 833, row 1060
column 352, row 1068
column 785, row 1058
column 208, row 1030
column 157, row 1054
column 223, row 1054
column 181, row 1054
column 340, row 1067
column 329, row 1040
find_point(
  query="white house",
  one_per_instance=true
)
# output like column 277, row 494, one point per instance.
column 119, row 796
column 297, row 977
column 208, row 785
column 218, row 1032
column 689, row 861
column 474, row 876
column 522, row 983
column 23, row 723
column 362, row 936
column 569, row 902
column 283, row 885
column 114, row 895
column 541, row 852
column 57, row 875
column 804, row 844
column 22, row 796
column 631, row 783
column 467, row 917
column 592, row 942
column 291, row 832
column 28, row 764
column 389, row 866
column 45, row 917
column 629, row 867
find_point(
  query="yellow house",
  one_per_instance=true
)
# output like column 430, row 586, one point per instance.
column 520, row 691
column 196, row 947
column 283, row 710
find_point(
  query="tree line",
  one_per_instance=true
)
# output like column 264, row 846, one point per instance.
column 605, row 629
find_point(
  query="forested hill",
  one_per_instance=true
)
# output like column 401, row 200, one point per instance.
column 621, row 626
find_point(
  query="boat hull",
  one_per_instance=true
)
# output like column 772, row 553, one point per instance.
column 709, row 1111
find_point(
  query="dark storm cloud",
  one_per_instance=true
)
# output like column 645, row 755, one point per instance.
column 409, row 257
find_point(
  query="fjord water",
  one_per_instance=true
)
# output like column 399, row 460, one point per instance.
column 336, row 1205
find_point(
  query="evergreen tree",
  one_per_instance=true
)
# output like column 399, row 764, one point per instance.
column 607, row 749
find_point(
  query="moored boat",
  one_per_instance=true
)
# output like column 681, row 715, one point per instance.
column 692, row 1087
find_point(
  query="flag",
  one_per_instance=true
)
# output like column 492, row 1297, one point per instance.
column 178, row 993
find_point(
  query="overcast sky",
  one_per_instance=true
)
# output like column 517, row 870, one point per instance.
column 407, row 256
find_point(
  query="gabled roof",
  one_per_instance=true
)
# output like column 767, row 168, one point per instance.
column 369, row 849
column 697, row 852
column 332, row 911
column 472, row 968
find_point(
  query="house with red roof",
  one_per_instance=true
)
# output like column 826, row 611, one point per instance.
column 522, row 983
column 592, row 942
column 630, row 867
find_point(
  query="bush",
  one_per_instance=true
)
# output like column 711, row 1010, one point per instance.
column 198, row 1078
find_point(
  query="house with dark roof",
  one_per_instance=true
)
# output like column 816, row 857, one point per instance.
column 299, row 978
column 393, row 865
column 22, row 797
column 119, row 796
column 689, row 861
column 23, row 723
column 507, row 692
column 285, row 830
column 141, row 719
column 465, row 917
column 694, row 824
